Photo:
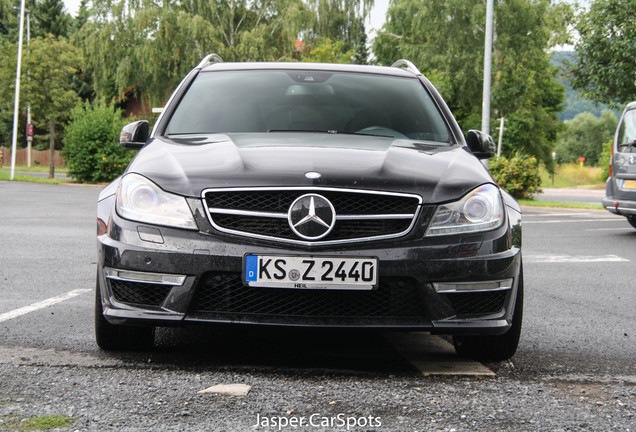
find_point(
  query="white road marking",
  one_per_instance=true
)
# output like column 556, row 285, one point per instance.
column 572, row 259
column 40, row 305
column 610, row 229
column 555, row 214
column 572, row 220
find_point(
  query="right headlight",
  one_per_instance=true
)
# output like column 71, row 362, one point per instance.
column 480, row 210
column 141, row 200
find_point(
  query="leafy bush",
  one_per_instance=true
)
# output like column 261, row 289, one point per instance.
column 519, row 175
column 91, row 143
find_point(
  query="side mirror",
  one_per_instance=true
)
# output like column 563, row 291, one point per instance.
column 481, row 144
column 135, row 135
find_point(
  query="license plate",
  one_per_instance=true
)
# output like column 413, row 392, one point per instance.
column 310, row 272
column 629, row 184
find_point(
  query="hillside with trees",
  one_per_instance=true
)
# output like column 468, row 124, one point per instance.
column 575, row 101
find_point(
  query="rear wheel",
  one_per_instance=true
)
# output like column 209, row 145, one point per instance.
column 112, row 337
column 498, row 347
column 632, row 220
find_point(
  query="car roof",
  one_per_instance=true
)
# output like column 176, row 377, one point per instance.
column 330, row 67
column 630, row 106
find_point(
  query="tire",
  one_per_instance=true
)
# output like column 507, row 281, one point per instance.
column 632, row 220
column 112, row 337
column 497, row 347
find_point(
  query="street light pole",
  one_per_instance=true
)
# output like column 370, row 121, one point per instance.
column 29, row 131
column 14, row 144
column 485, row 106
column 29, row 126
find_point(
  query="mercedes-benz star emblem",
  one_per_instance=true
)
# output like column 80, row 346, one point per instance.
column 311, row 216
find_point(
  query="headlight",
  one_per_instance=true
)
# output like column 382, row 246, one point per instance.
column 141, row 200
column 480, row 210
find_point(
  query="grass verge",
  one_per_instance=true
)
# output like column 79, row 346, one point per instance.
column 45, row 422
column 34, row 168
column 572, row 175
column 26, row 178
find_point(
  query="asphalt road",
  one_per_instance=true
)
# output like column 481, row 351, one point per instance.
column 574, row 370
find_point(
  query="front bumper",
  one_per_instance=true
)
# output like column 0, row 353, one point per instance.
column 175, row 276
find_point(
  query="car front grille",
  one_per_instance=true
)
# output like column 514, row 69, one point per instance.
column 480, row 303
column 139, row 293
column 222, row 295
column 397, row 301
column 360, row 215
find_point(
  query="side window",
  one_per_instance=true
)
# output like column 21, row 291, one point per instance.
column 627, row 132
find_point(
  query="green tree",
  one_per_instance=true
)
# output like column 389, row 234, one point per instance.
column 150, row 45
column 361, row 55
column 329, row 52
column 9, row 19
column 605, row 68
column 50, row 17
column 341, row 20
column 446, row 41
column 83, row 14
column 584, row 137
column 51, row 63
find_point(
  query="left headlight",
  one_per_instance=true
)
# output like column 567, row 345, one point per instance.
column 480, row 210
column 141, row 200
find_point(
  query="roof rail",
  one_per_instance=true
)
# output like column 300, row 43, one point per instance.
column 210, row 58
column 409, row 66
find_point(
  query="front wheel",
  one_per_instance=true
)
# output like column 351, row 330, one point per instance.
column 112, row 337
column 497, row 347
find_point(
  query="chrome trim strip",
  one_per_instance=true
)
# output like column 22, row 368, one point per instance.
column 248, row 213
column 144, row 277
column 313, row 189
column 375, row 216
column 217, row 210
column 626, row 210
column 466, row 287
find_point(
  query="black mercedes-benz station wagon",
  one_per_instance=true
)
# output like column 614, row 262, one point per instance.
column 315, row 195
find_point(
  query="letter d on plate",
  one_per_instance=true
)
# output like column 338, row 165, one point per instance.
column 251, row 268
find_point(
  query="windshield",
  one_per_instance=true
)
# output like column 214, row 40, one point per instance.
column 627, row 132
column 313, row 101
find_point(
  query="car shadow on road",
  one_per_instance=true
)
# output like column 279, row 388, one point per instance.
column 333, row 351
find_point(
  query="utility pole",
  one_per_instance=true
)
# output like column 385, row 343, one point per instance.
column 14, row 144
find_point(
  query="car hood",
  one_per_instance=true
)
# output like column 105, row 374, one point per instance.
column 187, row 165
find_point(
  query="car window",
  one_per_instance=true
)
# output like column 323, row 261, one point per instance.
column 281, row 101
column 627, row 132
